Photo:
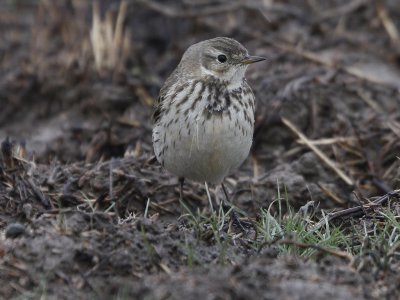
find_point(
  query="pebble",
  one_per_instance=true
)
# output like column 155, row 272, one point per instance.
column 27, row 210
column 14, row 230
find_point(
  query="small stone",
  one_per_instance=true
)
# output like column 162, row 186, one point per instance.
column 14, row 230
column 27, row 210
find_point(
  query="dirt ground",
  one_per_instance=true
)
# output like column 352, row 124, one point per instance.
column 87, row 213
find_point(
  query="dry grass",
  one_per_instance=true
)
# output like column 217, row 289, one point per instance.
column 110, row 39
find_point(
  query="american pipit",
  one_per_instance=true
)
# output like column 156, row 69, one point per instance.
column 204, row 116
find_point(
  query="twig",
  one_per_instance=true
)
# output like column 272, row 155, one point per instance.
column 338, row 253
column 330, row 251
column 388, row 24
column 110, row 179
column 172, row 12
column 38, row 193
column 393, row 125
column 156, row 206
column 361, row 209
column 329, row 141
column 331, row 194
column 318, row 152
column 341, row 10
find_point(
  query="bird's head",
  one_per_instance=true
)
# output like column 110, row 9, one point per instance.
column 221, row 57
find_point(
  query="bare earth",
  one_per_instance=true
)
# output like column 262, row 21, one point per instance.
column 87, row 213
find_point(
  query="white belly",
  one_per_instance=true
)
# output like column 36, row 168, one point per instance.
column 204, row 149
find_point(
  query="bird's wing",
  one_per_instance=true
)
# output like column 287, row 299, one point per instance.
column 158, row 104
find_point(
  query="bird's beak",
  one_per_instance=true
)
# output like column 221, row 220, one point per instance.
column 252, row 59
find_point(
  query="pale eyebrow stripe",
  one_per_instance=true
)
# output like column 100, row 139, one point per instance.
column 210, row 56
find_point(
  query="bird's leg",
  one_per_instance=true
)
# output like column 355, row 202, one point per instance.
column 181, row 182
column 227, row 205
column 209, row 196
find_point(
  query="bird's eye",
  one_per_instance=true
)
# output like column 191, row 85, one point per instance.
column 221, row 58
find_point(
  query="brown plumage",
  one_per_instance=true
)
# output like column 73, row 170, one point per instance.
column 204, row 117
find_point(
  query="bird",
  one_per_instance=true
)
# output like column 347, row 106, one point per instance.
column 204, row 115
